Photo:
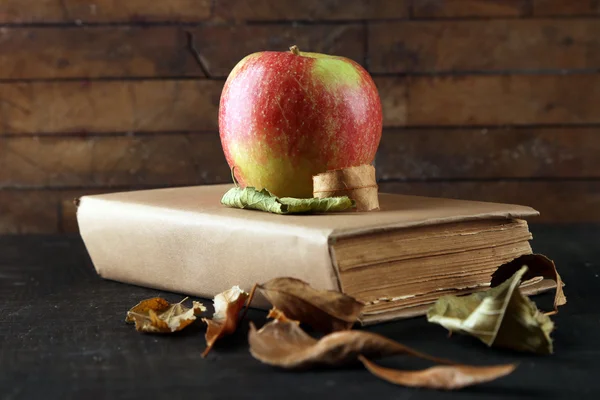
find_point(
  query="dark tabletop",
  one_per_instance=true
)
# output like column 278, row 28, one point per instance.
column 63, row 336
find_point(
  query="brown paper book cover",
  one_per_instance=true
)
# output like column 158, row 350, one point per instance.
column 397, row 260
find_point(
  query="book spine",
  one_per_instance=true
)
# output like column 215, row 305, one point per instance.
column 197, row 254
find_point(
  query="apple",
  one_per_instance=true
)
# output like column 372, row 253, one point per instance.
column 286, row 116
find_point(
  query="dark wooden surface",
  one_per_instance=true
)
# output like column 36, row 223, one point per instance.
column 62, row 336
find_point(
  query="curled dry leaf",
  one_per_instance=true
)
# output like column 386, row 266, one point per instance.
column 263, row 200
column 447, row 377
column 324, row 310
column 225, row 319
column 157, row 315
column 284, row 344
column 538, row 265
column 501, row 316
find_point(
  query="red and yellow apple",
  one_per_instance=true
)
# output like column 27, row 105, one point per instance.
column 286, row 116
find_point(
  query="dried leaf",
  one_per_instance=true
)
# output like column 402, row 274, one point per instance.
column 263, row 200
column 225, row 319
column 324, row 310
column 157, row 315
column 284, row 344
column 277, row 314
column 447, row 377
column 501, row 316
column 538, row 265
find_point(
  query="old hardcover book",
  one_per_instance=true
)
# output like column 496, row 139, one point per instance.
column 397, row 260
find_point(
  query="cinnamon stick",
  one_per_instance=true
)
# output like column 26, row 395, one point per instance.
column 358, row 183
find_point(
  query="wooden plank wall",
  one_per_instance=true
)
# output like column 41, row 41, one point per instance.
column 483, row 99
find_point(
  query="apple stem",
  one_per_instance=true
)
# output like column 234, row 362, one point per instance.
column 295, row 50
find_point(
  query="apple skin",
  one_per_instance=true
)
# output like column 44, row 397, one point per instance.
column 286, row 116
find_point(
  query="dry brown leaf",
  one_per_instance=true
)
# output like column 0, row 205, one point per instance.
column 501, row 316
column 538, row 265
column 157, row 315
column 284, row 344
column 324, row 310
column 225, row 319
column 446, row 377
column 277, row 314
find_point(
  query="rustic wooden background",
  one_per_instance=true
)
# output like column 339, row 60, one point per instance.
column 483, row 99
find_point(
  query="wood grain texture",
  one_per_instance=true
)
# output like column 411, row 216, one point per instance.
column 187, row 105
column 109, row 106
column 394, row 100
column 103, row 94
column 175, row 105
column 222, row 47
column 175, row 159
column 167, row 105
column 565, row 7
column 57, row 11
column 270, row 10
column 28, row 212
column 469, row 8
column 422, row 154
column 560, row 201
column 504, row 100
column 95, row 52
column 125, row 52
column 497, row 45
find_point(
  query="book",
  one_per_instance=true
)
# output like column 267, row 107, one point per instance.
column 397, row 261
